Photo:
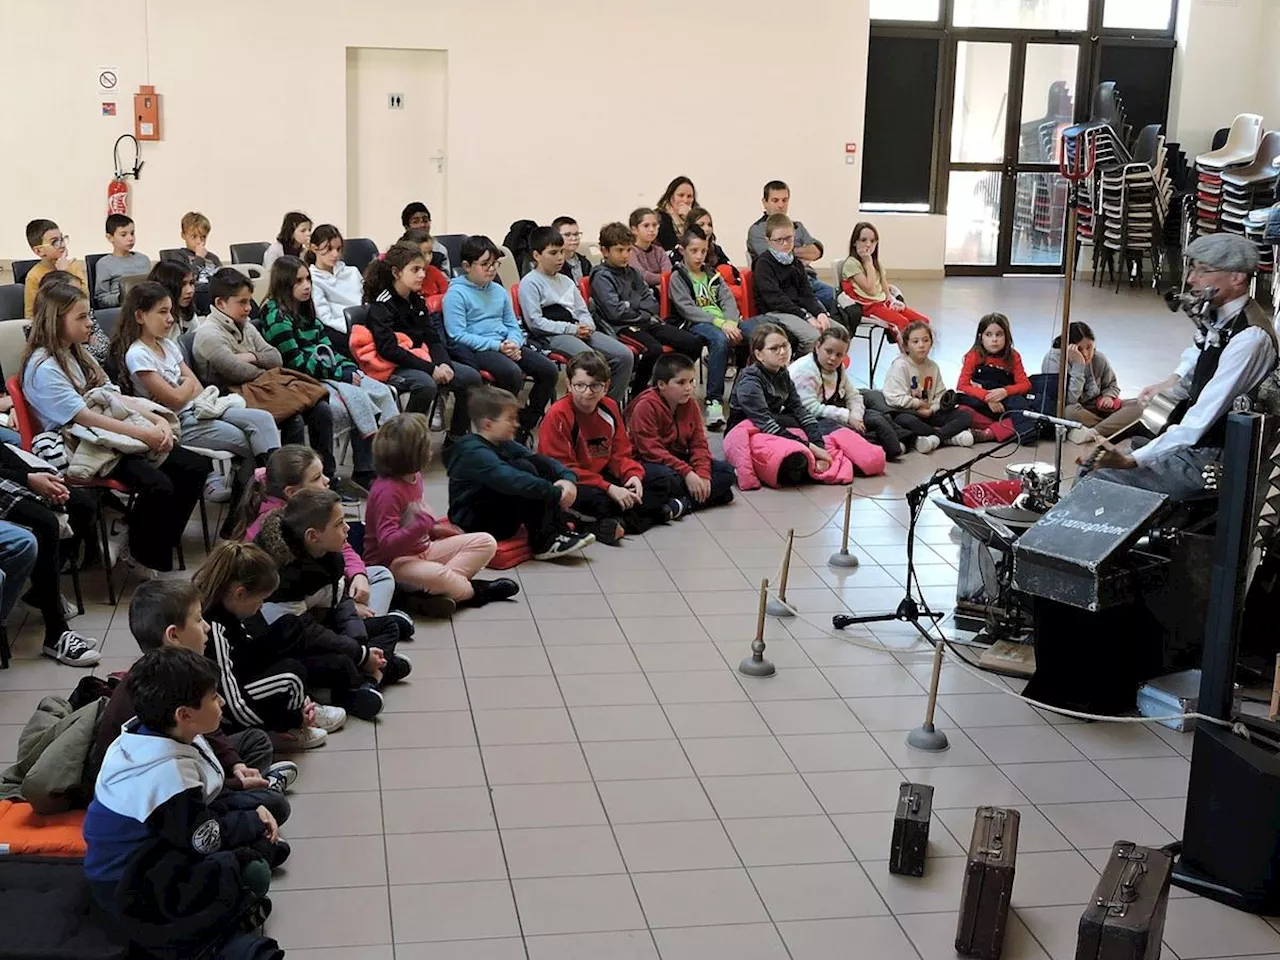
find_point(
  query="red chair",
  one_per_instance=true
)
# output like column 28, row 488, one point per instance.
column 664, row 297
column 739, row 290
column 748, row 304
column 584, row 285
column 435, row 303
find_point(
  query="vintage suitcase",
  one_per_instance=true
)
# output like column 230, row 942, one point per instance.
column 1125, row 918
column 988, row 883
column 911, row 829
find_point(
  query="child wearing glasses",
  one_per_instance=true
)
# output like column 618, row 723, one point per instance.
column 576, row 266
column 484, row 333
column 48, row 243
column 585, row 432
column 782, row 287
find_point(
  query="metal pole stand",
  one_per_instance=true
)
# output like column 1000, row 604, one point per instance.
column 756, row 665
column 925, row 736
column 844, row 559
column 779, row 607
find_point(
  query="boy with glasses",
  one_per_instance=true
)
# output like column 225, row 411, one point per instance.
column 50, row 245
column 576, row 266
column 484, row 333
column 782, row 288
column 585, row 431
column 416, row 216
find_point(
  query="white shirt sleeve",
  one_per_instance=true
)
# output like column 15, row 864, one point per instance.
column 1248, row 358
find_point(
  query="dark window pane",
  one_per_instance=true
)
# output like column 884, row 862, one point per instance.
column 902, row 81
column 1142, row 75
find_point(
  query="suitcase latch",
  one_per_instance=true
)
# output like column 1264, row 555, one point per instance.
column 913, row 803
column 995, row 841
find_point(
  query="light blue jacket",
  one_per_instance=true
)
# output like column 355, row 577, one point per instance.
column 480, row 317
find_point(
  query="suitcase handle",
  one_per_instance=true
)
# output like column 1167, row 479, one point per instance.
column 995, row 842
column 1127, row 893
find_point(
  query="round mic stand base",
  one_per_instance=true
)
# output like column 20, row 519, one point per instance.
column 926, row 737
column 842, row 560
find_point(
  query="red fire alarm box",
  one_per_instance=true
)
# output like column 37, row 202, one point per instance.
column 146, row 113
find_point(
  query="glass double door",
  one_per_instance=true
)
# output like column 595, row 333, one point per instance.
column 1006, row 201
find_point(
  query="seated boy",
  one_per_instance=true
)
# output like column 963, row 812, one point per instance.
column 122, row 262
column 666, row 429
column 230, row 351
column 557, row 317
column 197, row 257
column 808, row 249
column 497, row 486
column 485, row 334
column 576, row 266
column 629, row 306
column 50, row 246
column 416, row 216
column 782, row 288
column 181, row 877
column 702, row 301
column 585, row 431
column 166, row 613
column 352, row 656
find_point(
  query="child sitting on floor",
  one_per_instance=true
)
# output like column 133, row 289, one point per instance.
column 352, row 656
column 994, row 385
column 263, row 684
column 1093, row 392
column 497, row 486
column 668, row 434
column 425, row 553
column 180, row 878
column 921, row 402
column 823, row 385
column 585, row 431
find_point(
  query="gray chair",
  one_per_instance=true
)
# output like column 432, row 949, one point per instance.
column 359, row 252
column 107, row 319
column 249, row 252
column 91, row 275
column 12, row 301
column 453, row 243
column 174, row 253
column 356, row 316
column 21, row 268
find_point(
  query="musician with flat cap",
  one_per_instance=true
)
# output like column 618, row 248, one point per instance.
column 1235, row 349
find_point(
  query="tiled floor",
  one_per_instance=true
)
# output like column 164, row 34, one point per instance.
column 583, row 774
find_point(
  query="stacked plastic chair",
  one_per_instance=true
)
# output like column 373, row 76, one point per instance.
column 1104, row 133
column 1250, row 189
column 1040, row 201
column 1133, row 200
column 1239, row 152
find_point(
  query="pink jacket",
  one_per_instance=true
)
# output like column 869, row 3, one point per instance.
column 757, row 457
column 351, row 562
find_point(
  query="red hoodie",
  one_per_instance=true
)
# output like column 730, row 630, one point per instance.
column 972, row 361
column 675, row 439
column 435, row 283
column 602, row 442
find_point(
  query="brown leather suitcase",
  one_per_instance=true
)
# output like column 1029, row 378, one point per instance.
column 1125, row 918
column 911, row 829
column 988, row 883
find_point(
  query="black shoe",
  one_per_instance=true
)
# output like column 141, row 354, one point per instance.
column 487, row 591
column 398, row 667
column 404, row 623
column 363, row 701
column 674, row 509
column 364, row 479
column 432, row 606
column 608, row 531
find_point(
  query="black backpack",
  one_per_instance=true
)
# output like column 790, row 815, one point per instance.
column 517, row 241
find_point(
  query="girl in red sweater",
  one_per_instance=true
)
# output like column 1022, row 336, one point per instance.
column 994, row 386
column 424, row 552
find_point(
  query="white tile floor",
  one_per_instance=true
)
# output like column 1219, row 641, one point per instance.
column 581, row 773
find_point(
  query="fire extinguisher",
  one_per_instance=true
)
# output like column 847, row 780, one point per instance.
column 118, row 188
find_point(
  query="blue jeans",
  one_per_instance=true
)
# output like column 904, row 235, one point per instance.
column 717, row 345
column 17, row 559
column 824, row 292
column 10, row 436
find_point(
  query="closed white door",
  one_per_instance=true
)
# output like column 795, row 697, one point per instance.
column 395, row 138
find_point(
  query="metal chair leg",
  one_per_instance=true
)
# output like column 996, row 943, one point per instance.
column 204, row 523
column 74, row 563
column 105, row 545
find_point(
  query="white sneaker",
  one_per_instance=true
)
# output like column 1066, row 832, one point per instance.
column 303, row 738
column 330, row 719
column 216, row 489
column 927, row 444
column 437, row 418
column 962, row 439
column 1082, row 435
column 281, row 775
column 74, row 650
column 715, row 414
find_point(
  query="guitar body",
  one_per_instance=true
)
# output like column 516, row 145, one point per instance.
column 1163, row 410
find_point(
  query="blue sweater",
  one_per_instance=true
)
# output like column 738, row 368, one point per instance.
column 480, row 317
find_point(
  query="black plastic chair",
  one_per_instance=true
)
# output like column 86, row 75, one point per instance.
column 1147, row 145
column 12, row 301
column 91, row 275
column 359, row 252
column 174, row 253
column 249, row 252
column 21, row 268
column 107, row 319
column 453, row 242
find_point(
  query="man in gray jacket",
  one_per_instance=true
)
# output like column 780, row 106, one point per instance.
column 808, row 249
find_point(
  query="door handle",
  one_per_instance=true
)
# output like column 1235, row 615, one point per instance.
column 438, row 160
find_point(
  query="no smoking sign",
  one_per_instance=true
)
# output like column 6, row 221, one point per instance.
column 108, row 80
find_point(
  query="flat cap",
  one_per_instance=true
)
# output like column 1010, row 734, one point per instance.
column 1224, row 251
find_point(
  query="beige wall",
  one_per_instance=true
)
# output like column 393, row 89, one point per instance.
column 584, row 107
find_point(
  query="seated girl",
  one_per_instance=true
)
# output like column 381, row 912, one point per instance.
column 994, row 385
column 293, row 468
column 921, row 402
column 334, row 285
column 425, row 553
column 99, row 342
column 177, row 278
column 289, row 324
column 435, row 283
column 293, row 239
column 57, row 372
column 1093, row 393
column 771, row 437
column 863, row 279
column 150, row 365
column 823, row 385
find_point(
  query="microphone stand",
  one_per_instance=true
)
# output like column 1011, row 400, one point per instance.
column 908, row 610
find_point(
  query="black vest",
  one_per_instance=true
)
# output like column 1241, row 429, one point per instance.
column 1207, row 366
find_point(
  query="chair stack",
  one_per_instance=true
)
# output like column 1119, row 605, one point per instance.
column 1238, row 154
column 1133, row 200
column 1249, row 190
column 1104, row 135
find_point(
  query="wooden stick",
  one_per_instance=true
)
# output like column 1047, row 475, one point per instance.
column 848, row 511
column 933, row 685
column 1275, row 690
column 786, row 566
column 764, row 600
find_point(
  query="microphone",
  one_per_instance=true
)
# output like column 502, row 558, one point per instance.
column 1056, row 421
